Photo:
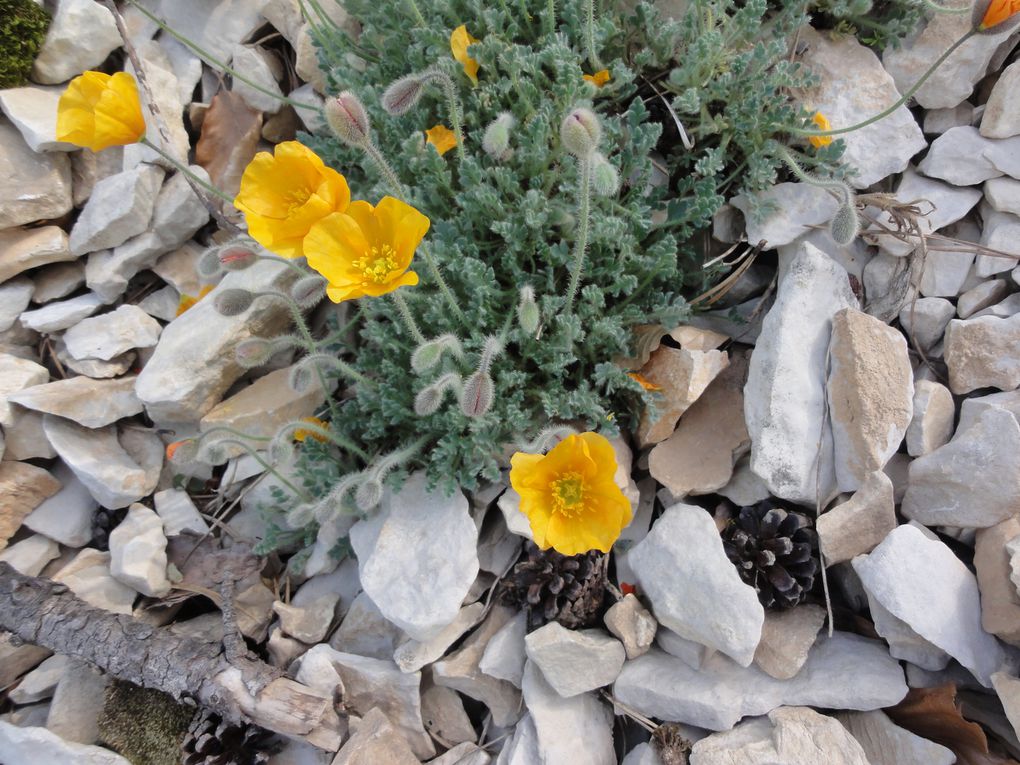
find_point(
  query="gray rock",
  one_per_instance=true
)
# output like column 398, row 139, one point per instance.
column 784, row 399
column 66, row 517
column 921, row 582
column 715, row 607
column 81, row 35
column 165, row 89
column 36, row 186
column 463, row 754
column 178, row 512
column 366, row 632
column 413, row 655
column 642, row 754
column 33, row 111
column 745, row 487
column 691, row 653
column 980, row 353
column 574, row 661
column 88, row 577
column 163, row 304
column 16, row 374
column 1003, row 194
column 932, row 424
column 1001, row 118
column 861, row 523
column 1002, row 310
column 442, row 711
column 889, row 285
column 925, row 320
column 92, row 403
column 15, row 296
column 25, row 745
column 374, row 739
column 179, row 213
column 112, row 334
column 938, row 121
column 401, row 546
column 40, row 683
column 1000, row 608
column 784, row 212
column 22, row 249
column 522, row 749
column 947, row 267
column 308, row 623
column 54, row 317
column 256, row 66
column 56, row 281
column 631, row 622
column 886, row 743
column 1007, row 688
column 120, row 207
column 504, row 655
column 217, row 26
column 1001, row 232
column 963, row 157
column 842, row 672
column 138, row 552
column 980, row 297
column 786, row 640
column 30, row 556
column 74, row 713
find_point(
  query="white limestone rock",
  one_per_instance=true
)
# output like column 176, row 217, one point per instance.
column 981, row 353
column 784, row 399
column 165, row 89
column 215, row 26
column 885, row 743
column 925, row 320
column 112, row 334
column 16, row 374
column 1007, row 688
column 842, row 672
column 786, row 639
column 981, row 296
column 963, row 157
column 15, row 296
column 373, row 739
column 74, row 713
column 888, row 285
column 1002, row 310
column 138, row 552
column 945, row 269
column 793, row 210
column 366, row 632
column 504, row 655
column 178, row 512
column 1003, row 194
column 57, row 280
column 40, row 683
column 88, row 576
column 903, row 642
column 938, row 121
column 62, row 314
column 413, row 655
column 745, row 487
column 574, row 661
column 1001, row 232
column 632, row 624
column 522, row 748
column 932, row 424
column 1000, row 607
column 80, row 37
column 310, row 622
column 1001, row 118
column 922, row 582
column 691, row 653
column 36, row 186
column 120, row 207
column 66, row 517
column 859, row 524
column 33, row 111
column 714, row 607
column 30, row 556
column 92, row 403
column 256, row 66
column 38, row 745
column 463, row 754
column 417, row 536
column 25, row 248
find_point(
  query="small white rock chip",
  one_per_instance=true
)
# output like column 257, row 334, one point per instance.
column 922, row 582
column 40, row 683
column 178, row 512
column 81, row 35
column 366, row 632
column 42, row 190
column 138, row 552
column 88, row 577
column 714, row 607
column 25, row 248
column 111, row 334
column 980, row 297
column 932, row 424
column 61, row 314
column 575, row 661
column 786, row 639
column 886, row 743
column 30, row 556
column 692, row 654
column 92, row 403
column 1001, row 118
column 859, row 524
column 463, row 754
column 307, row 623
column 33, row 111
column 631, row 622
column 504, row 654
column 442, row 711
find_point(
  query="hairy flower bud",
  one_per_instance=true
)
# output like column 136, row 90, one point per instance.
column 845, row 224
column 369, row 494
column 236, row 257
column 253, row 352
column 301, row 377
column 605, row 180
column 429, row 353
column 208, row 266
column 347, row 118
column 580, row 132
column 308, row 291
column 528, row 314
column 476, row 398
column 232, row 302
column 427, row 401
column 403, row 95
column 496, row 141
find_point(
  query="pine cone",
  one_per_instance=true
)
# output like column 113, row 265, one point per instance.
column 211, row 741
column 103, row 522
column 552, row 587
column 772, row 548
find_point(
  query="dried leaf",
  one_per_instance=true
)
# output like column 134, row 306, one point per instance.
column 230, row 134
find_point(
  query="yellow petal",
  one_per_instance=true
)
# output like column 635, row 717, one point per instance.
column 100, row 110
column 460, row 39
column 406, row 227
column 442, row 138
column 822, row 122
column 598, row 79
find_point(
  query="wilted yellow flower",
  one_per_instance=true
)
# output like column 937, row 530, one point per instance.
column 459, row 42
column 569, row 495
column 598, row 79
column 992, row 14
column 643, row 381
column 301, row 434
column 100, row 110
column 367, row 250
column 442, row 138
column 285, row 193
column 818, row 141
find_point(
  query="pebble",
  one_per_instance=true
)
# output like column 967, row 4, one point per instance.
column 1001, row 232
column 23, row 487
column 442, row 712
column 366, row 632
column 632, row 624
column 15, row 296
column 963, row 157
column 859, row 524
column 1003, row 194
column 414, row 655
column 374, row 740
column 504, row 655
column 74, row 713
column 885, row 743
column 683, row 375
column 786, row 639
column 178, row 513
column 138, row 552
column 574, row 661
column 92, row 403
column 30, row 556
column 308, row 623
column 1000, row 609
column 33, row 111
column 57, row 280
column 980, row 353
column 37, row 187
column 62, row 314
column 794, row 209
column 88, row 576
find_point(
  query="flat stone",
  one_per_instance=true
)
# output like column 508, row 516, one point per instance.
column 138, row 552
column 578, row 729
column 786, row 639
column 982, row 296
column 16, row 374
column 714, row 607
column 842, row 672
column 254, row 62
column 163, row 304
column 30, row 556
column 938, row 121
column 980, row 353
column 1000, row 232
column 1003, row 194
column 963, row 157
column 632, row 623
column 691, row 653
column 745, row 487
column 1001, row 118
column 374, row 741
column 925, row 320
column 92, row 403
column 922, row 582
column 948, row 268
column 400, row 547
column 100, row 461
column 56, row 281
column 413, row 655
column 24, row 745
column 443, row 713
column 120, row 207
column 642, row 754
column 858, row 525
column 698, row 458
column 88, row 576
column 784, row 212
column 23, row 487
column 36, row 186
column 16, row 660
column 784, row 399
column 504, row 654
column 932, row 424
column 870, row 391
column 112, row 334
column 1002, row 310
column 683, row 376
column 33, row 111
column 24, row 248
column 885, row 743
column 463, row 754
column 15, row 296
column 40, row 683
column 1000, row 606
column 309, row 623
column 178, row 513
column 366, row 632
column 790, row 735
column 853, row 84
column 62, row 314
column 574, row 661
column 255, row 610
column 889, row 285
column 903, row 642
column 74, row 713
column 1013, row 551
column 216, row 27
column 1007, row 688
column 81, row 35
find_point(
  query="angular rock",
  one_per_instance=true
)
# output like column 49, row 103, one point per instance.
column 92, row 403
column 88, row 576
column 790, row 735
column 922, row 582
column 57, row 280
column 946, row 270
column 30, row 556
column 255, row 64
column 25, row 745
column 786, row 640
column 793, row 209
column 413, row 654
column 932, row 424
column 15, row 296
column 784, row 399
column 980, row 353
column 980, row 297
column 138, row 552
column 282, row 649
column 938, row 121
column 417, row 536
column 925, row 320
column 178, row 513
column 853, row 84
column 889, row 284
column 714, row 607
column 858, row 525
column 112, row 334
column 903, row 642
column 309, row 623
column 366, row 632
column 631, row 622
column 216, row 27
column 17, row 374
column 33, row 111
column 1003, row 194
column 963, row 157
column 1007, row 688
column 179, row 213
column 683, row 376
column 885, row 743
column 1000, row 605
column 165, row 89
column 442, row 711
column 81, row 35
column 36, row 186
column 374, row 741
column 120, row 207
column 574, row 661
column 23, row 487
column 66, row 517
column 1000, row 232
column 463, row 754
column 1001, row 118
column 691, row 653
column 74, row 713
column 1002, row 310
column 842, row 672
column 40, row 683
column 54, row 317
column 870, row 392
column 25, row 248
column 505, row 653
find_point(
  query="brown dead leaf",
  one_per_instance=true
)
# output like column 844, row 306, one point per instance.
column 230, row 134
column 934, row 714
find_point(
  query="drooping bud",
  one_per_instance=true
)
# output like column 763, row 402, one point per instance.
column 528, row 314
column 253, row 352
column 232, row 302
column 208, row 265
column 347, row 118
column 605, row 180
column 496, row 141
column 369, row 494
column 403, row 95
column 308, row 291
column 430, row 398
column 845, row 224
column 580, row 132
column 476, row 398
column 301, row 376
column 300, row 516
column 237, row 257
column 429, row 353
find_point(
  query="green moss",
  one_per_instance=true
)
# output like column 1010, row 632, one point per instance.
column 144, row 726
column 23, row 26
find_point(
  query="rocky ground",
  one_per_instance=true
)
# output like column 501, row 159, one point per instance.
column 884, row 374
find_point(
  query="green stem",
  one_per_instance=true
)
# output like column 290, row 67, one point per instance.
column 903, row 99
column 396, row 187
column 581, row 241
column 187, row 171
column 443, row 286
column 550, row 17
column 419, row 20
column 814, row 180
column 589, row 32
column 406, row 315
column 289, row 262
column 452, row 107
column 269, row 468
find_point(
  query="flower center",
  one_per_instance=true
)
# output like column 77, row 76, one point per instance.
column 568, row 494
column 295, row 198
column 378, row 263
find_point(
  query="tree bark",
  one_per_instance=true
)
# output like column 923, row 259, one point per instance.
column 240, row 688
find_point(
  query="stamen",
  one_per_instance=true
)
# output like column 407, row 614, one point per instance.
column 378, row 263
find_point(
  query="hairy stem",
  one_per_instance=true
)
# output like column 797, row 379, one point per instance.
column 589, row 33
column 406, row 315
column 195, row 179
column 583, row 223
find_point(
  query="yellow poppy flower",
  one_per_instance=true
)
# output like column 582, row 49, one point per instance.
column 643, row 381
column 367, row 250
column 598, row 79
column 285, row 193
column 822, row 122
column 301, row 434
column 442, row 138
column 991, row 14
column 569, row 495
column 100, row 110
column 459, row 42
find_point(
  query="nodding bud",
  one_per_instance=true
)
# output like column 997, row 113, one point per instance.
column 476, row 398
column 348, row 119
column 427, row 401
column 237, row 257
column 496, row 141
column 429, row 353
column 403, row 95
column 845, row 224
column 209, row 265
column 300, row 516
column 369, row 494
column 300, row 378
column 253, row 352
column 491, row 349
column 528, row 314
column 308, row 291
column 581, row 132
column 231, row 302
column 605, row 180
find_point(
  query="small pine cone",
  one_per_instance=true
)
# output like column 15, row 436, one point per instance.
column 773, row 549
column 212, row 741
column 568, row 589
column 103, row 522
